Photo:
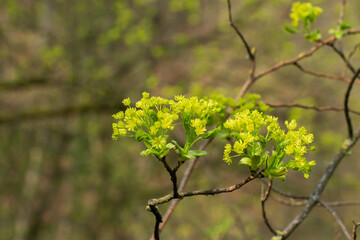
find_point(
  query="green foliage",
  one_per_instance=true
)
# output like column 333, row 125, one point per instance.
column 152, row 119
column 51, row 55
column 340, row 31
column 251, row 144
column 307, row 14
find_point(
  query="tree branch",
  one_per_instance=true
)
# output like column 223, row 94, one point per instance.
column 342, row 56
column 342, row 11
column 158, row 220
column 346, row 104
column 319, row 109
column 302, row 55
column 354, row 229
column 264, row 198
column 337, row 218
column 251, row 55
column 323, row 75
column 297, row 203
column 288, row 195
column 172, row 173
column 169, row 197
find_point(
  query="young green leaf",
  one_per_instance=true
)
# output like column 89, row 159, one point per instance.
column 212, row 133
column 290, row 29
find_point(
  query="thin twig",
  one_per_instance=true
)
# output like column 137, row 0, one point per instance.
column 263, row 200
column 173, row 176
column 337, row 218
column 251, row 55
column 158, row 220
column 214, row 191
column 319, row 109
column 353, row 51
column 356, row 224
column 342, row 56
column 296, row 59
column 302, row 55
column 323, row 75
column 342, row 11
column 346, row 104
column 288, row 195
column 314, row 198
column 297, row 203
column 250, row 52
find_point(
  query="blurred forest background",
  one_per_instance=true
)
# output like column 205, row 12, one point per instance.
column 67, row 65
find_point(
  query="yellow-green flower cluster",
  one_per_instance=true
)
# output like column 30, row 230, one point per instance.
column 199, row 125
column 249, row 101
column 245, row 128
column 152, row 117
column 250, row 144
column 202, row 108
column 305, row 12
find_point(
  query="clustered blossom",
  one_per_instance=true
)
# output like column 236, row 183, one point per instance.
column 247, row 128
column 304, row 12
column 152, row 117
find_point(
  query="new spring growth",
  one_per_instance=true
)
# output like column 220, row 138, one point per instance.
column 153, row 118
column 307, row 14
column 252, row 144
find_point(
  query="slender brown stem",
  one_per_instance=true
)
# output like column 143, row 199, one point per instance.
column 299, row 203
column 323, row 75
column 158, row 220
column 288, row 195
column 346, row 104
column 319, row 109
column 351, row 54
column 342, row 11
column 169, row 197
column 173, row 176
column 337, row 218
column 302, row 55
column 342, row 56
column 354, row 229
column 263, row 200
column 251, row 55
column 297, row 58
